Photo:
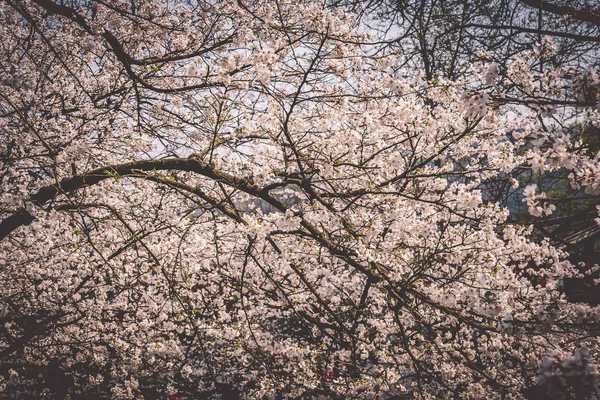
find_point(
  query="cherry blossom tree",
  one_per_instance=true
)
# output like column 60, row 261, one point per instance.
column 247, row 200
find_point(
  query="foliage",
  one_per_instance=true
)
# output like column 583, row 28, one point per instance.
column 138, row 140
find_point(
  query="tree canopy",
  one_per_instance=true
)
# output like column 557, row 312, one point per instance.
column 267, row 199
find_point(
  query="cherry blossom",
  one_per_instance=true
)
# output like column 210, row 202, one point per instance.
column 211, row 199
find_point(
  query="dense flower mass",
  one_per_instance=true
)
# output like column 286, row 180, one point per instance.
column 231, row 198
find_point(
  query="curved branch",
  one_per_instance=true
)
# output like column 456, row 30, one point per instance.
column 581, row 15
column 68, row 185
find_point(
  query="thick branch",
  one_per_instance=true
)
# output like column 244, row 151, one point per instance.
column 68, row 185
column 580, row 15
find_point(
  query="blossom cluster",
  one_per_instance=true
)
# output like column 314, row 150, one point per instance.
column 205, row 198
